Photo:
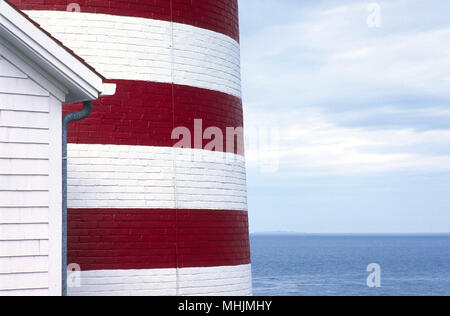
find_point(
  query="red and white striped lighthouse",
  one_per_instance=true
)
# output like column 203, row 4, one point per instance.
column 145, row 217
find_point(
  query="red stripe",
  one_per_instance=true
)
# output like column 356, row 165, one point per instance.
column 142, row 113
column 100, row 239
column 215, row 15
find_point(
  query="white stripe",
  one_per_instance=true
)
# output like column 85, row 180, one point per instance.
column 133, row 48
column 134, row 177
column 215, row 281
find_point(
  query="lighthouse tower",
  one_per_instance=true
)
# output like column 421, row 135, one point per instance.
column 147, row 214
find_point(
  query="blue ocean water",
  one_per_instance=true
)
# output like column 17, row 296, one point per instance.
column 303, row 265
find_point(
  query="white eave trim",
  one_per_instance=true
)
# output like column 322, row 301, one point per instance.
column 82, row 83
column 109, row 89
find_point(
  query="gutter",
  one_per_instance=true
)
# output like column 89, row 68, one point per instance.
column 67, row 119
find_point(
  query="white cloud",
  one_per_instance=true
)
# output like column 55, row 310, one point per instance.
column 310, row 143
column 299, row 72
column 333, row 53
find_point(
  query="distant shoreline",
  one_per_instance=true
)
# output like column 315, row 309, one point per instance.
column 293, row 234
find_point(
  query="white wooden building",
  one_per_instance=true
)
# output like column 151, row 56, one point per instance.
column 37, row 75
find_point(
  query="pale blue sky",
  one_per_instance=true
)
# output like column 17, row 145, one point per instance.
column 363, row 115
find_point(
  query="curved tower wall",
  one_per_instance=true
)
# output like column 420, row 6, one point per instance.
column 146, row 218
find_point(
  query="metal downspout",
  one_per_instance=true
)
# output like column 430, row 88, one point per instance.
column 67, row 119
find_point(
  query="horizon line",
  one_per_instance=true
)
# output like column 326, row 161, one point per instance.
column 349, row 233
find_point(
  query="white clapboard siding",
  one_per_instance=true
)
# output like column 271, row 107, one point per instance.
column 24, row 119
column 28, row 292
column 23, row 215
column 23, row 232
column 24, row 264
column 24, row 103
column 16, row 249
column 23, row 183
column 24, row 135
column 23, row 281
column 24, row 151
column 24, row 198
column 23, row 167
column 7, row 70
column 30, row 181
column 21, row 86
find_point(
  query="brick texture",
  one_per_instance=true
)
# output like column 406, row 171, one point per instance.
column 146, row 218
column 219, row 281
column 216, row 15
column 112, row 176
column 131, row 48
column 144, row 114
column 149, row 239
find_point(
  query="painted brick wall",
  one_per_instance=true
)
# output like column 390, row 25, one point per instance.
column 140, row 49
column 221, row 281
column 139, row 239
column 154, row 177
column 216, row 281
column 144, row 114
column 143, row 282
column 176, row 219
column 217, row 15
